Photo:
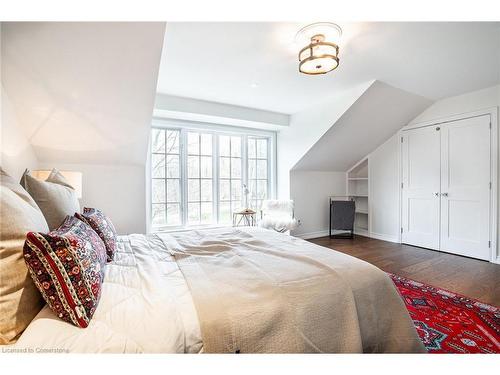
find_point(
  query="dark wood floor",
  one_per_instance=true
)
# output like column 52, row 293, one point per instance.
column 473, row 278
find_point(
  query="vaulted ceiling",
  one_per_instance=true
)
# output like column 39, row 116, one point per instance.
column 255, row 64
column 83, row 92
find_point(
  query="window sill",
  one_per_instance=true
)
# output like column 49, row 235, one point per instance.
column 188, row 228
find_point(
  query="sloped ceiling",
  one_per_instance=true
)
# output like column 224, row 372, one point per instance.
column 374, row 117
column 307, row 127
column 83, row 92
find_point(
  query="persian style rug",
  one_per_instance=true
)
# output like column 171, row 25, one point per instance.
column 448, row 322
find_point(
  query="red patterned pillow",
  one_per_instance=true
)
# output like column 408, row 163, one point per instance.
column 102, row 226
column 67, row 266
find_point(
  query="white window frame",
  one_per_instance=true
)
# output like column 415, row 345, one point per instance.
column 215, row 129
column 229, row 179
column 185, row 184
column 257, row 158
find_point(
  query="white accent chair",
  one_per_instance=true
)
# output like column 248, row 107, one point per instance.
column 278, row 215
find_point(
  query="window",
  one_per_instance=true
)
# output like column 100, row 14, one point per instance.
column 200, row 180
column 230, row 162
column 166, row 178
column 258, row 178
column 198, row 176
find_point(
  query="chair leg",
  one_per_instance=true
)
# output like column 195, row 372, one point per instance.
column 330, row 226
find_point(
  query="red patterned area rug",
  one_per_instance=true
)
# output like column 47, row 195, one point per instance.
column 448, row 322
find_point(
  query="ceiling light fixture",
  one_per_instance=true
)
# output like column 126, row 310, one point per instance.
column 321, row 54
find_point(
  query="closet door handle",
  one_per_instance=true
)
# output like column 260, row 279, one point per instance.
column 444, row 194
column 436, row 194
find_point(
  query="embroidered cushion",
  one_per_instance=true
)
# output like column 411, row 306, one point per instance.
column 20, row 300
column 67, row 266
column 55, row 197
column 103, row 226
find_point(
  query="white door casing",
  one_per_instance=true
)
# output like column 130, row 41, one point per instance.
column 421, row 187
column 465, row 187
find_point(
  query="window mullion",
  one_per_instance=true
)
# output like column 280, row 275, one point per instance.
column 244, row 170
column 166, row 175
column 184, row 180
column 230, row 177
column 268, row 185
column 199, row 176
column 272, row 178
column 215, row 175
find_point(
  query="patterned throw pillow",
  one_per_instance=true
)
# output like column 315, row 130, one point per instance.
column 102, row 226
column 67, row 266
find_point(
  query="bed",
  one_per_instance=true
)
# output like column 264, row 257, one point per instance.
column 233, row 290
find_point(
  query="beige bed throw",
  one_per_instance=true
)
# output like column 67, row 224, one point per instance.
column 262, row 292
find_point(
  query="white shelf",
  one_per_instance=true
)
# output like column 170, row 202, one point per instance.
column 362, row 212
column 361, row 228
column 357, row 187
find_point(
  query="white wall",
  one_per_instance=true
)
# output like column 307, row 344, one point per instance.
column 117, row 190
column 332, row 136
column 16, row 152
column 84, row 93
column 384, row 191
column 473, row 101
column 379, row 112
column 305, row 128
column 469, row 102
column 310, row 191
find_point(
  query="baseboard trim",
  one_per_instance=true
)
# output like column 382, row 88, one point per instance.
column 384, row 237
column 310, row 235
column 362, row 232
column 378, row 236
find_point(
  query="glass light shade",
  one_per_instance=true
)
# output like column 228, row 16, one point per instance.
column 318, row 58
column 320, row 65
column 74, row 179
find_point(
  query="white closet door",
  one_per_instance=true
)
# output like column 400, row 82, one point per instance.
column 421, row 187
column 465, row 187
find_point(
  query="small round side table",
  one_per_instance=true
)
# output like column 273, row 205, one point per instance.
column 245, row 217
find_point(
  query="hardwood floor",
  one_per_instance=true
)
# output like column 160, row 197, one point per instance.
column 473, row 278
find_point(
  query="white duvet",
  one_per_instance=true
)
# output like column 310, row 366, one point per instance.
column 145, row 307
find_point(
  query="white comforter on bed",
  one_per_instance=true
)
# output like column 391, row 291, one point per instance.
column 145, row 307
column 146, row 304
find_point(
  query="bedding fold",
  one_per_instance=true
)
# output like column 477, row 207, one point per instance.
column 261, row 294
column 225, row 290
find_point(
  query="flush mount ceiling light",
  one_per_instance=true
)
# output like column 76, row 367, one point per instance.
column 321, row 52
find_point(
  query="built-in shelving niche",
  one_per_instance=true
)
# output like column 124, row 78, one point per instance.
column 357, row 189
